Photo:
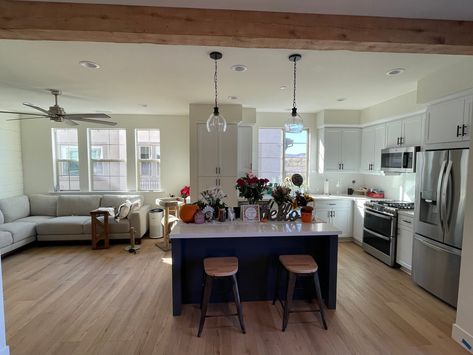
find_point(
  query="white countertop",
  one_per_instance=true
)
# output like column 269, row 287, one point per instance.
column 342, row 197
column 240, row 229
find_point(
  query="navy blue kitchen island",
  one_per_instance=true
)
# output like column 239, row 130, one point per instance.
column 257, row 247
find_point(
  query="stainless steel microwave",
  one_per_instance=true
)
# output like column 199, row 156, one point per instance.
column 399, row 160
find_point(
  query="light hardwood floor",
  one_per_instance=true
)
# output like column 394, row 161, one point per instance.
column 73, row 300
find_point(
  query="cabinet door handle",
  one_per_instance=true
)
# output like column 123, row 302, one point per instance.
column 402, row 140
column 334, row 213
column 407, row 221
column 464, row 130
column 458, row 131
column 397, row 141
column 343, row 166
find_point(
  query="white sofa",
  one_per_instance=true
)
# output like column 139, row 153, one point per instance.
column 24, row 219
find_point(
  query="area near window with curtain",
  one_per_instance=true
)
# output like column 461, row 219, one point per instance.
column 282, row 154
column 107, row 153
column 148, row 159
column 66, row 159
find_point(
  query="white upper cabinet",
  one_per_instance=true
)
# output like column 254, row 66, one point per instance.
column 228, row 151
column 373, row 141
column 393, row 133
column 449, row 121
column 207, row 152
column 405, row 132
column 339, row 149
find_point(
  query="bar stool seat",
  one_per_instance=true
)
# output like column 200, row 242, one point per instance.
column 215, row 268
column 221, row 267
column 299, row 264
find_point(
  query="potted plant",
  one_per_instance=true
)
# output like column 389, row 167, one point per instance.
column 252, row 188
column 211, row 201
column 185, row 193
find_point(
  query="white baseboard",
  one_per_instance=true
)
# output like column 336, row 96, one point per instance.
column 5, row 350
column 462, row 337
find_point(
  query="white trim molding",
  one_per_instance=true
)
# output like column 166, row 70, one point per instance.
column 462, row 337
column 5, row 350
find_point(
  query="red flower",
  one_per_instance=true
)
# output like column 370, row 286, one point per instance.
column 185, row 191
column 240, row 182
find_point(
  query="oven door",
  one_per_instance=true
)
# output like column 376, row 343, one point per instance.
column 380, row 246
column 380, row 223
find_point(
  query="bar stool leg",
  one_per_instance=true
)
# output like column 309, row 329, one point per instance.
column 291, row 283
column 278, row 282
column 319, row 298
column 236, row 294
column 205, row 302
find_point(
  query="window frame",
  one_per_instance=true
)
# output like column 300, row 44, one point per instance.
column 58, row 161
column 91, row 146
column 283, row 156
column 153, row 158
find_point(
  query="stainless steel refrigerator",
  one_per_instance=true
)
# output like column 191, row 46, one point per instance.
column 439, row 211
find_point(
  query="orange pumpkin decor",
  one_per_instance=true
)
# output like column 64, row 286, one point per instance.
column 187, row 213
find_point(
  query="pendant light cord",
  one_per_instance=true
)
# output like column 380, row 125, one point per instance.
column 215, row 82
column 294, row 92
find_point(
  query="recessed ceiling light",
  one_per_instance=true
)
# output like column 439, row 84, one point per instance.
column 232, row 97
column 239, row 67
column 341, row 99
column 89, row 65
column 144, row 105
column 395, row 71
column 284, row 87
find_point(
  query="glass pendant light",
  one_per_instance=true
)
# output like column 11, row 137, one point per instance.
column 216, row 122
column 294, row 124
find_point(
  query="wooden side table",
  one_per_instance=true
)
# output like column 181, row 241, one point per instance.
column 100, row 229
column 169, row 205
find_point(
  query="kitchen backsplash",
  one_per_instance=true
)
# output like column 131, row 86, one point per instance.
column 396, row 187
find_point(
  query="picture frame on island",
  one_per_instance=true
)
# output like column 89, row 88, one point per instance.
column 250, row 213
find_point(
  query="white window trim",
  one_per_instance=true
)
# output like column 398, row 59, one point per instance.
column 152, row 160
column 58, row 161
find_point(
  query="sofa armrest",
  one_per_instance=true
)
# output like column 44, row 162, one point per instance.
column 139, row 221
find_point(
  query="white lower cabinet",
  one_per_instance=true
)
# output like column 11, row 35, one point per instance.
column 336, row 212
column 358, row 220
column 405, row 237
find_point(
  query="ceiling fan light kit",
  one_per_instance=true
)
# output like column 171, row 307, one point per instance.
column 295, row 123
column 216, row 122
column 57, row 114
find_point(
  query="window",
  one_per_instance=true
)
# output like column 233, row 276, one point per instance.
column 107, row 153
column 282, row 154
column 148, row 159
column 66, row 157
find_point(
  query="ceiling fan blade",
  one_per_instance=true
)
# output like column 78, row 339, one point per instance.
column 70, row 123
column 36, row 107
column 87, row 115
column 24, row 113
column 108, row 123
column 26, row 118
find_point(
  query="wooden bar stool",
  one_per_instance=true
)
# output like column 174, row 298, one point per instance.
column 298, row 266
column 218, row 268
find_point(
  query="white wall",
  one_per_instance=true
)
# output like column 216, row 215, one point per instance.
column 38, row 162
column 395, row 187
column 11, row 170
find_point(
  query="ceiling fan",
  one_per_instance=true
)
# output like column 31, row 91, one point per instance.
column 57, row 114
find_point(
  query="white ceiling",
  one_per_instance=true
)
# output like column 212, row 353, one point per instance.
column 168, row 78
column 433, row 9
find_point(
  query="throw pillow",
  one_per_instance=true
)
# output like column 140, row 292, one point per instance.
column 123, row 211
column 135, row 206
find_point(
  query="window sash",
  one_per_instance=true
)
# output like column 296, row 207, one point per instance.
column 65, row 146
column 148, row 151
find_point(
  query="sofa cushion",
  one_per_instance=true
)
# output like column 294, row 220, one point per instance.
column 14, row 208
column 116, row 200
column 2, row 219
column 63, row 225
column 6, row 239
column 77, row 205
column 123, row 226
column 19, row 230
column 34, row 219
column 43, row 205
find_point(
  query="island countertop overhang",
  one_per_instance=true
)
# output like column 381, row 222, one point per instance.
column 240, row 229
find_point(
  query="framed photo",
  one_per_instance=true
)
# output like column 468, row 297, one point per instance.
column 250, row 213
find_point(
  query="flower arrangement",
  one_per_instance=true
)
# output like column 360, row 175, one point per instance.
column 251, row 187
column 301, row 199
column 281, row 195
column 185, row 192
column 211, row 198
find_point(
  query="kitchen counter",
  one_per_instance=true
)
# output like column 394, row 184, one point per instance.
column 240, row 229
column 257, row 247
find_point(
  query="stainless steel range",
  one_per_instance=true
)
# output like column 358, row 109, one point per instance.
column 380, row 228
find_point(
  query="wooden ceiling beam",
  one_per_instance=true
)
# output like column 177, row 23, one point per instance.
column 252, row 29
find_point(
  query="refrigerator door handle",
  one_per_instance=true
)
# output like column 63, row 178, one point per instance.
column 439, row 192
column 443, row 206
